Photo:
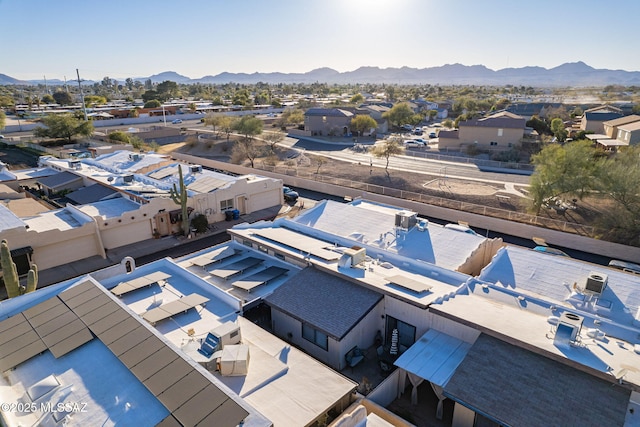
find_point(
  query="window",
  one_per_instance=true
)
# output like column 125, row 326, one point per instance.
column 247, row 243
column 225, row 205
column 315, row 336
column 406, row 332
column 500, row 131
column 279, row 255
column 493, row 143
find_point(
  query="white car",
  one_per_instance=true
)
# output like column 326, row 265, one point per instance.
column 176, row 121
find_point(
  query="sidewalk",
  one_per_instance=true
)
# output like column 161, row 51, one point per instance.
column 144, row 248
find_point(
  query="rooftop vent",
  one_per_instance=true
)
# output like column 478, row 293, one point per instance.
column 128, row 178
column 568, row 328
column 75, row 164
column 596, row 283
column 196, row 168
column 227, row 333
column 134, row 157
column 352, row 257
column 406, row 219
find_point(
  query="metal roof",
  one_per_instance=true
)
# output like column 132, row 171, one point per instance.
column 59, row 180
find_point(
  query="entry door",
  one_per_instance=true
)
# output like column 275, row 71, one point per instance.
column 241, row 204
column 162, row 224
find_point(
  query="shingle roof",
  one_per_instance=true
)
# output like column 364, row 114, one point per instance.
column 59, row 179
column 496, row 122
column 623, row 120
column 326, row 302
column 520, row 388
column 448, row 134
column 601, row 116
column 90, row 194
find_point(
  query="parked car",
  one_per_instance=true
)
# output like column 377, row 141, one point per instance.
column 432, row 135
column 550, row 251
column 461, row 228
column 289, row 194
column 176, row 121
column 420, row 140
column 407, row 127
column 417, row 132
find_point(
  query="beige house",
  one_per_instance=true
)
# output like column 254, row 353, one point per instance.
column 593, row 119
column 611, row 126
column 498, row 132
column 140, row 209
column 629, row 133
column 327, row 122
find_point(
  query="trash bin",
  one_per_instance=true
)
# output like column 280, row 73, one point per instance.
column 228, row 215
column 236, row 214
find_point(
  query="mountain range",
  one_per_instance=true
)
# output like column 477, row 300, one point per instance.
column 574, row 74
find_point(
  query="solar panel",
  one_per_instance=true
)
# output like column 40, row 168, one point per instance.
column 229, row 414
column 236, row 267
column 139, row 282
column 164, row 172
column 17, row 343
column 174, row 307
column 25, row 353
column 10, row 322
column 105, row 314
column 152, row 364
column 167, row 376
column 17, row 329
column 141, row 351
column 206, row 184
column 76, row 290
column 41, row 308
column 80, row 299
column 92, row 304
column 213, row 257
column 128, row 340
column 409, row 283
column 69, row 344
column 63, row 332
column 183, row 390
column 47, row 315
column 199, row 406
column 119, row 330
column 259, row 278
column 170, row 421
column 54, row 323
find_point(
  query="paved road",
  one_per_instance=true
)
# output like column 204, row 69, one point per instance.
column 437, row 168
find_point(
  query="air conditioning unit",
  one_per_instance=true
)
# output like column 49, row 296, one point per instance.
column 75, row 164
column 406, row 219
column 596, row 283
column 134, row 157
column 196, row 168
column 568, row 328
column 128, row 178
column 226, row 334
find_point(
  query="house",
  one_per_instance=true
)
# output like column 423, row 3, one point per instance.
column 629, row 133
column 499, row 131
column 69, row 348
column 327, row 121
column 611, row 126
column 593, row 119
column 63, row 181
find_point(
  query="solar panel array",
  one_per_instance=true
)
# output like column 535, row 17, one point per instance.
column 140, row 282
column 174, row 307
column 207, row 184
column 67, row 321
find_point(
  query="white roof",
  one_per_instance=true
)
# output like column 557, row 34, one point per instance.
column 33, row 173
column 111, row 208
column 9, row 220
column 122, row 160
column 61, row 219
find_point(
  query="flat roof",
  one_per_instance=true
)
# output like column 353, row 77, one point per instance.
column 9, row 220
column 61, row 219
column 111, row 208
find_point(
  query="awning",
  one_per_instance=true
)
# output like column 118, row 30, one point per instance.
column 517, row 387
column 434, row 357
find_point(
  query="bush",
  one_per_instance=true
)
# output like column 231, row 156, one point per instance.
column 200, row 223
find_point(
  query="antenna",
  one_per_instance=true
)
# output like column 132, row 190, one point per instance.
column 84, row 108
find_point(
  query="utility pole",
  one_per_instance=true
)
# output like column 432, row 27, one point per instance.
column 66, row 88
column 46, row 88
column 84, row 108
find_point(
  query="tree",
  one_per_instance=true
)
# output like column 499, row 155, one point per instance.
column 63, row 98
column 320, row 161
column 227, row 125
column 357, row 99
column 558, row 129
column 362, row 123
column 153, row 103
column 63, row 126
column 399, row 114
column 212, row 120
column 272, row 138
column 247, row 148
column 3, row 119
column 129, row 83
column 538, row 125
column 389, row 147
column 167, row 89
column 48, row 99
column 249, row 126
column 180, row 196
column 10, row 274
column 92, row 100
column 448, row 123
column 432, row 114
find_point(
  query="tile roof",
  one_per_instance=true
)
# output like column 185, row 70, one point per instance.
column 327, row 302
column 521, row 388
column 623, row 120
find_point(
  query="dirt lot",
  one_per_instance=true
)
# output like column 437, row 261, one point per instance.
column 16, row 158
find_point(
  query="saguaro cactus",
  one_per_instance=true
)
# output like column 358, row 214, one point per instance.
column 10, row 274
column 180, row 197
column 9, row 271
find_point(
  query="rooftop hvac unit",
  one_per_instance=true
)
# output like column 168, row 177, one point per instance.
column 234, row 360
column 128, row 178
column 568, row 328
column 226, row 334
column 134, row 157
column 75, row 164
column 596, row 282
column 356, row 254
column 406, row 219
column 196, row 168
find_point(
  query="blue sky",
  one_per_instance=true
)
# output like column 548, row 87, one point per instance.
column 138, row 38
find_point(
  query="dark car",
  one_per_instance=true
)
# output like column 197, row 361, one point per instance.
column 289, row 194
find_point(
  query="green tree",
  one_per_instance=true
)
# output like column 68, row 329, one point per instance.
column 558, row 129
column 362, row 123
column 48, row 99
column 399, row 114
column 539, row 125
column 3, row 120
column 432, row 114
column 357, row 99
column 151, row 95
column 249, row 126
column 93, row 100
column 212, row 120
column 63, row 98
column 227, row 124
column 388, row 148
column 152, row 103
column 63, row 126
column 448, row 123
column 167, row 89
